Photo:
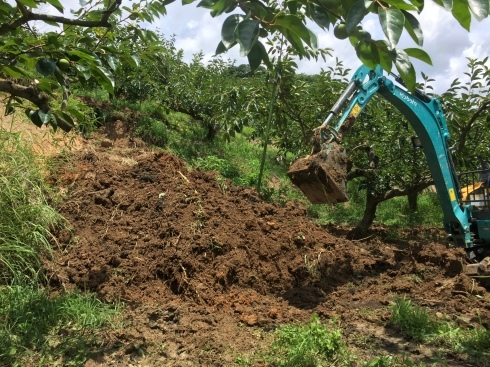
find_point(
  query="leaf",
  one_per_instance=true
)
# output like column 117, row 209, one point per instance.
column 295, row 41
column 81, row 54
column 45, row 117
column 356, row 14
column 113, row 61
column 295, row 25
column 419, row 54
column 34, row 117
column 136, row 60
column 462, row 13
column 413, row 28
column 367, row 54
column 385, row 55
column 65, row 117
column 446, row 4
column 319, row 16
column 230, row 24
column 255, row 57
column 104, row 77
column 247, row 33
column 46, row 66
column 479, row 8
column 84, row 70
column 402, row 5
column 313, row 40
column 29, row 3
column 13, row 71
column 220, row 49
column 392, row 21
column 405, row 69
column 56, row 4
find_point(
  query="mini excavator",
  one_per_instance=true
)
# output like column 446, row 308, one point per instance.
column 464, row 197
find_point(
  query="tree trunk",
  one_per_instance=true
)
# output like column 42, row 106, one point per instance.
column 212, row 132
column 412, row 201
column 367, row 218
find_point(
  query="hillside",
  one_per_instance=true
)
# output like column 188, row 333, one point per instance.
column 207, row 270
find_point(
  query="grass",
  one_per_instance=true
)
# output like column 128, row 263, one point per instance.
column 39, row 330
column 25, row 215
column 418, row 325
column 412, row 321
column 313, row 344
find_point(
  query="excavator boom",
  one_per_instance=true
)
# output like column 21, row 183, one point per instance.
column 322, row 175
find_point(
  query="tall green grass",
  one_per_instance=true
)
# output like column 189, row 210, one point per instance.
column 39, row 330
column 25, row 215
column 36, row 328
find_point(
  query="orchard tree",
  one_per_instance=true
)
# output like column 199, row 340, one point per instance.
column 289, row 19
column 34, row 65
column 79, row 48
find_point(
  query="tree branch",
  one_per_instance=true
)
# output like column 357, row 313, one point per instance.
column 40, row 99
column 466, row 129
column 28, row 15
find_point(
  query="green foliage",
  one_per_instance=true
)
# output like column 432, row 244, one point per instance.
column 88, row 47
column 223, row 166
column 25, row 216
column 413, row 321
column 466, row 106
column 289, row 21
column 38, row 330
column 152, row 131
column 309, row 345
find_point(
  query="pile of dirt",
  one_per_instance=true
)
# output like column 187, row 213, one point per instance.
column 205, row 267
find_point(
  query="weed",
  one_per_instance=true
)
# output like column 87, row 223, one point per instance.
column 313, row 344
column 37, row 327
column 25, row 215
column 413, row 321
column 223, row 187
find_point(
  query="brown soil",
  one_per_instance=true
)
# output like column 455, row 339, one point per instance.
column 322, row 176
column 207, row 269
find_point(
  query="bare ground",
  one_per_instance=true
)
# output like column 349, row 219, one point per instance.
column 207, row 269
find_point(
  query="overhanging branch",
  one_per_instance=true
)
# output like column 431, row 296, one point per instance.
column 28, row 15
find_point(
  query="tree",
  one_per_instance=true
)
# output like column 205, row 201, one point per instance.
column 33, row 65
column 289, row 19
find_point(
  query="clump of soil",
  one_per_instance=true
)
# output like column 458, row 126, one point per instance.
column 207, row 268
column 322, row 176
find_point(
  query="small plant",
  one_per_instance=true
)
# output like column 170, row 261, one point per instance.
column 310, row 345
column 413, row 321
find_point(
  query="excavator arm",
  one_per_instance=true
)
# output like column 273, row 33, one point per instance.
column 427, row 119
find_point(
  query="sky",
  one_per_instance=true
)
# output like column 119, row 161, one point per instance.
column 448, row 44
column 445, row 40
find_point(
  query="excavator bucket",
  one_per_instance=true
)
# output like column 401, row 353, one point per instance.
column 322, row 176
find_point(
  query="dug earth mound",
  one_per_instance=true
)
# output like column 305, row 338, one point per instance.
column 207, row 269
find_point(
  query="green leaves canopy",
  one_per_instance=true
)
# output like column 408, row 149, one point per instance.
column 395, row 17
column 84, row 48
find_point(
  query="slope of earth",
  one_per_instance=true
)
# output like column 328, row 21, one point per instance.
column 206, row 269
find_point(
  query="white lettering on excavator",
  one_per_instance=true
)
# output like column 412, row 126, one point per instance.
column 408, row 99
